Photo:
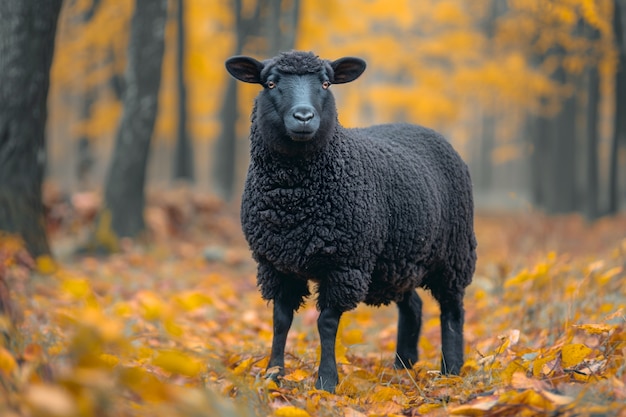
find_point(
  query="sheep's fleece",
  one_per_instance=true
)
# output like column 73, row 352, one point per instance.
column 390, row 202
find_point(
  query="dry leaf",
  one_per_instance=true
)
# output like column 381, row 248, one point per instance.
column 290, row 411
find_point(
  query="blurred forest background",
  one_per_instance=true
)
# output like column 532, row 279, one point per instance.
column 531, row 92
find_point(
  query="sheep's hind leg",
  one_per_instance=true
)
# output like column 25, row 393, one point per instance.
column 327, row 325
column 452, row 316
column 409, row 325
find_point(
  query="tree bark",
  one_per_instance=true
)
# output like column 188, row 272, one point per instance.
column 27, row 34
column 619, row 120
column 279, row 29
column 124, row 189
column 183, row 154
column 225, row 151
column 591, row 209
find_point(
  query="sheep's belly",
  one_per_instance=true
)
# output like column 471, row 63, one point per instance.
column 392, row 279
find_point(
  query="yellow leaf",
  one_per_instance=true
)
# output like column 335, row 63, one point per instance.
column 7, row 361
column 595, row 328
column 382, row 394
column 512, row 368
column 540, row 364
column 110, row 360
column 145, row 384
column 77, row 288
column 172, row 328
column 46, row 265
column 478, row 407
column 193, row 300
column 243, row 366
column 290, row 411
column 353, row 337
column 529, row 398
column 152, row 307
column 178, row 362
column 122, row 309
column 520, row 278
column 297, row 376
column 573, row 354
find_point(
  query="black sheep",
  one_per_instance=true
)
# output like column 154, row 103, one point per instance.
column 368, row 214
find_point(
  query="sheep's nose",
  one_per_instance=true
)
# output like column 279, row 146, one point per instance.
column 303, row 115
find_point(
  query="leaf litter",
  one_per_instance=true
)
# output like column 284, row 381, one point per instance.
column 160, row 329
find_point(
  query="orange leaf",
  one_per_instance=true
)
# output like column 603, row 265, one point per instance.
column 297, row 376
column 479, row 407
column 7, row 361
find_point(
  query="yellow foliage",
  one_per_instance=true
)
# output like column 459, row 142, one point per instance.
column 290, row 411
column 178, row 362
column 151, row 305
column 298, row 375
column 7, row 361
column 572, row 354
column 46, row 265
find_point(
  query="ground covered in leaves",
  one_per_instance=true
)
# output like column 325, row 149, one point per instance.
column 174, row 326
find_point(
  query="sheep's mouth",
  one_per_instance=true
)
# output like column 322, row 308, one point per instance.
column 301, row 135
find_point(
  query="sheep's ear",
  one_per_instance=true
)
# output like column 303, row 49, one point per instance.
column 245, row 69
column 347, row 69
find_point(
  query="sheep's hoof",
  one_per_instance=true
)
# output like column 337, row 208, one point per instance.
column 274, row 373
column 326, row 384
column 404, row 363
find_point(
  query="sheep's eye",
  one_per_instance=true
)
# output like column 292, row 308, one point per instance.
column 271, row 84
column 325, row 85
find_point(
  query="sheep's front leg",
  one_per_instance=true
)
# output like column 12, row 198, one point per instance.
column 283, row 317
column 327, row 325
column 341, row 290
column 287, row 292
column 452, row 316
column 409, row 325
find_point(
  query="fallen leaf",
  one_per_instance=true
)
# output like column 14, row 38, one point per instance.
column 7, row 361
column 573, row 354
column 478, row 407
column 50, row 400
column 178, row 362
column 290, row 411
column 595, row 328
column 297, row 376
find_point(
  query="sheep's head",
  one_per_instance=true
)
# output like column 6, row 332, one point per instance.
column 296, row 104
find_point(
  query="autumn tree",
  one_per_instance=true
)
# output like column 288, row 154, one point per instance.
column 124, row 188
column 619, row 99
column 27, row 34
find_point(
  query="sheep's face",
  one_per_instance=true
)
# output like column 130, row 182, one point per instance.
column 296, row 104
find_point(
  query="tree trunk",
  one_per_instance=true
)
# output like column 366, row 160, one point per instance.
column 27, row 33
column 619, row 121
column 225, row 151
column 591, row 208
column 183, row 154
column 124, row 189
column 279, row 29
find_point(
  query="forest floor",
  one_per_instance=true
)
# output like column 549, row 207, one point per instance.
column 173, row 325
